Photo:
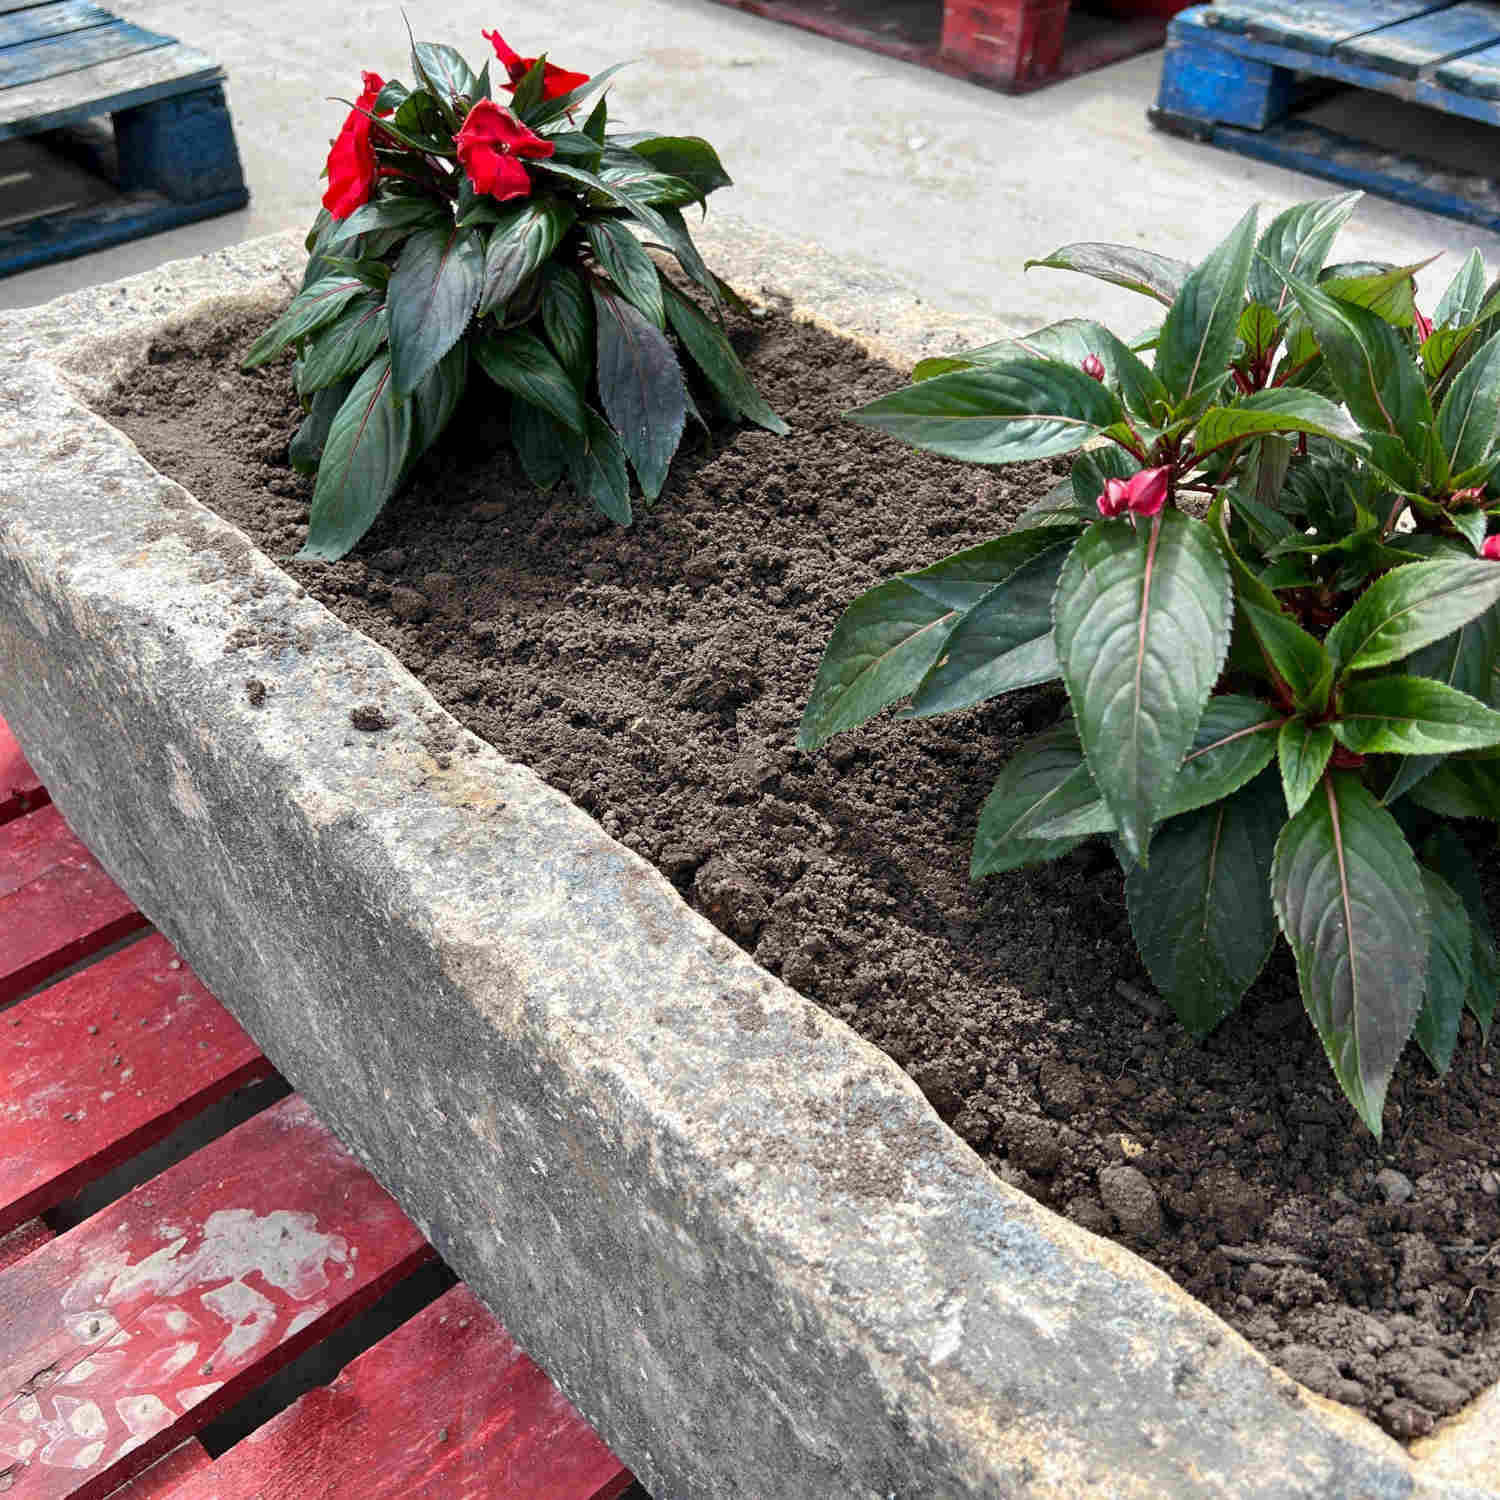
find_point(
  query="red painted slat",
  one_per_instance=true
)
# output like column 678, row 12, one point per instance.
column 445, row 1408
column 22, row 1240
column 57, row 904
column 20, row 788
column 165, row 1478
column 124, row 1335
column 103, row 1064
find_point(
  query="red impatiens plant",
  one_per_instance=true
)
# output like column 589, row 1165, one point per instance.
column 1271, row 593
column 459, row 233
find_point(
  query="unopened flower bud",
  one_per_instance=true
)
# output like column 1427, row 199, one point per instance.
column 1462, row 497
column 1093, row 367
column 1146, row 492
column 1424, row 325
column 1491, row 548
column 1112, row 502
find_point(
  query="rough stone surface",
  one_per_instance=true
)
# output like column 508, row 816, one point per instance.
column 738, row 1237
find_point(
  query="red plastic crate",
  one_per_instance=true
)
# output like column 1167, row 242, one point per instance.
column 1011, row 42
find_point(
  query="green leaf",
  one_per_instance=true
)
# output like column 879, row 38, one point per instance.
column 363, row 460
column 1159, row 276
column 1201, row 913
column 1469, row 418
column 1369, row 362
column 390, row 213
column 442, row 71
column 1296, row 243
column 568, row 318
column 1142, row 621
column 1445, row 853
column 1461, row 789
column 1046, row 778
column 1259, row 329
column 889, row 637
column 1460, row 303
column 644, row 182
column 1390, row 292
column 686, row 156
column 523, row 238
column 995, row 414
column 436, row 398
column 1286, row 409
column 1297, row 657
column 1092, row 468
column 1302, row 752
column 1234, row 742
column 309, row 310
column 596, row 467
column 540, row 445
column 1411, row 606
column 641, row 388
column 1003, row 643
column 625, row 261
column 528, row 92
column 422, row 122
column 1198, row 335
column 1397, row 715
column 345, row 346
column 553, row 109
column 306, row 447
column 522, row 364
column 711, row 351
column 597, row 122
column 431, row 298
column 1350, row 899
column 1450, row 965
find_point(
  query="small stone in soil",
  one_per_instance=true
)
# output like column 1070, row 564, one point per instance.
column 1395, row 1186
column 1129, row 1196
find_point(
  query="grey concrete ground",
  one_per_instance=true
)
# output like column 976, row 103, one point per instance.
column 946, row 183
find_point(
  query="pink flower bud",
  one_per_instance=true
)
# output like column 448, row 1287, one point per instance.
column 1424, row 325
column 1112, row 502
column 1491, row 548
column 1146, row 492
column 1462, row 497
column 1093, row 367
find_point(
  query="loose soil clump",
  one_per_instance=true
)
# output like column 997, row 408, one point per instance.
column 656, row 676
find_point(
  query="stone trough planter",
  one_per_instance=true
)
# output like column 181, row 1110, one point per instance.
column 737, row 1236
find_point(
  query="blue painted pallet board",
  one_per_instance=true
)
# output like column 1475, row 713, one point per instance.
column 1411, row 46
column 49, row 20
column 1316, row 26
column 1476, row 73
column 52, row 56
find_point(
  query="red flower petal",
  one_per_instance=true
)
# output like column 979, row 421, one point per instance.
column 488, row 143
column 1491, row 548
column 507, row 55
column 1146, row 492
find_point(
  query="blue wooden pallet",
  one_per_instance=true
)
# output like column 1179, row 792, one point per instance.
column 169, row 155
column 1236, row 73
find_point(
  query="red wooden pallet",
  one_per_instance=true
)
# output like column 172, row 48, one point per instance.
column 120, row 1338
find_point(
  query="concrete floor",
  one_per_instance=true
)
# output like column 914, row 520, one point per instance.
column 945, row 183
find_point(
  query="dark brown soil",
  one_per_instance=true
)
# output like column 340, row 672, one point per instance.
column 656, row 676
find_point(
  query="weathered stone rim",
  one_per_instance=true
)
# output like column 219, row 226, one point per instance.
column 934, row 1339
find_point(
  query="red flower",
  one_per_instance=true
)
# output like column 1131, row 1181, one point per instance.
column 555, row 81
column 1424, row 325
column 1491, row 548
column 351, row 159
column 1146, row 492
column 1112, row 502
column 489, row 142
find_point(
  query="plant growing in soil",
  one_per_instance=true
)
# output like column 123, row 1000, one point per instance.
column 1271, row 592
column 459, row 232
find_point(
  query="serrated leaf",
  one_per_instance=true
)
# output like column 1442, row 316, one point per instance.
column 995, row 414
column 1141, row 622
column 1468, row 422
column 1302, row 752
column 390, row 213
column 1389, row 292
column 1444, row 852
column 1144, row 271
column 523, row 238
column 626, row 263
column 888, row 638
column 1046, row 778
column 1461, row 789
column 1288, row 409
column 644, row 182
column 1296, row 243
column 1399, row 715
column 308, row 311
column 1350, row 899
column 641, row 388
column 1449, row 969
column 1297, row 657
column 306, row 447
column 433, row 293
column 596, row 467
column 1201, row 913
column 1197, row 338
column 554, row 109
column 1003, row 643
column 521, row 363
column 443, row 70
column 539, row 444
column 363, row 460
column 1259, row 329
column 1410, row 607
column 568, row 318
column 686, row 156
column 345, row 346
column 712, row 352
column 1460, row 303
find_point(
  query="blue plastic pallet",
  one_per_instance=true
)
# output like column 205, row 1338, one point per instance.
column 168, row 157
column 1236, row 73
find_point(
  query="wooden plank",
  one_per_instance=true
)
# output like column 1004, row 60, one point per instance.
column 123, row 1336
column 57, row 904
column 21, row 788
column 1316, row 26
column 164, row 1479
column 49, row 20
column 22, row 1240
column 447, row 1405
column 1428, row 40
column 54, row 56
column 103, row 1064
column 1477, row 75
column 103, row 88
